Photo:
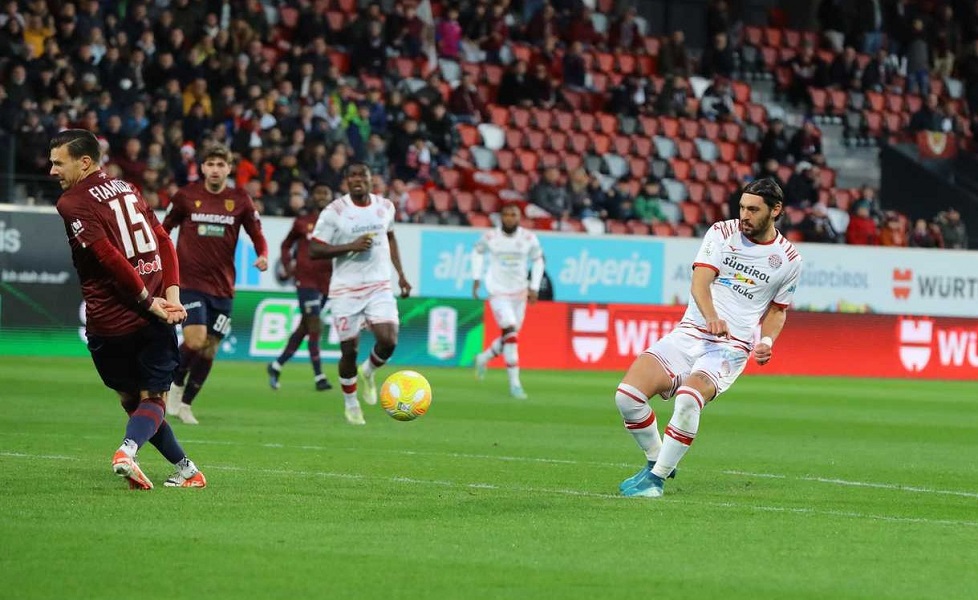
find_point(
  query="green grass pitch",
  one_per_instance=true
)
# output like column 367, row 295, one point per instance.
column 795, row 488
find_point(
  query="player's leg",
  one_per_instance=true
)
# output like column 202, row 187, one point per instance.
column 347, row 317
column 514, row 320
column 274, row 368
column 314, row 325
column 714, row 372
column 348, row 380
column 381, row 314
column 117, row 360
column 495, row 347
column 194, row 330
column 165, row 441
column 653, row 372
column 219, row 325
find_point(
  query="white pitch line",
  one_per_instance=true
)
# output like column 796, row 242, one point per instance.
column 44, row 456
column 865, row 484
column 558, row 461
column 558, row 492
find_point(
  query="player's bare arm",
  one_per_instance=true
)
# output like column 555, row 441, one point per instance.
column 771, row 325
column 402, row 281
column 700, row 290
column 320, row 249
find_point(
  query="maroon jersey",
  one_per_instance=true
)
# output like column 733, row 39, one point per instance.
column 209, row 226
column 309, row 272
column 99, row 207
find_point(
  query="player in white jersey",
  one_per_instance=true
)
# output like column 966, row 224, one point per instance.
column 511, row 251
column 745, row 274
column 357, row 232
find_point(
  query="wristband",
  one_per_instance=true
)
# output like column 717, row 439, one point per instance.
column 767, row 340
column 145, row 303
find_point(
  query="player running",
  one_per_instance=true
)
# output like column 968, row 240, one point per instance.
column 312, row 285
column 210, row 216
column 357, row 232
column 745, row 273
column 130, row 281
column 512, row 251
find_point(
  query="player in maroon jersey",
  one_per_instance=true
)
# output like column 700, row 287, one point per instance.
column 130, row 282
column 210, row 216
column 312, row 285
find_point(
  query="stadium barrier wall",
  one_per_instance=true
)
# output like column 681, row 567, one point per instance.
column 41, row 312
column 575, row 337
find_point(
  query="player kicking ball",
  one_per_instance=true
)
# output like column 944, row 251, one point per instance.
column 357, row 232
column 511, row 251
column 312, row 286
column 744, row 274
column 129, row 277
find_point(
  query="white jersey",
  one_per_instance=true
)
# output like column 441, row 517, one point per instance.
column 509, row 261
column 342, row 222
column 750, row 277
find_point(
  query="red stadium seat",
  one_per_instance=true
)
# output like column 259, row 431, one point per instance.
column 721, row 172
column 527, row 160
column 563, row 121
column 450, row 178
column 717, row 192
column 601, row 143
column 499, row 115
column 622, row 145
column 571, row 162
column 579, row 142
column 505, row 159
column 607, row 123
column 875, row 100
column 643, row 146
column 514, row 139
column 626, row 64
column 520, row 182
column 663, row 229
column 519, row 117
column 680, row 168
column 477, row 219
column 820, row 99
column 534, row 139
column 585, row 122
column 638, row 228
column 772, row 36
column 639, row 167
column 685, row 230
column 895, row 103
column 701, row 170
column 542, row 118
column 696, row 191
column 792, row 38
column 616, row 227
column 711, row 129
column 685, row 148
column 465, row 201
column 649, row 125
column 469, row 135
column 488, row 202
column 558, row 140
column 669, row 127
column 441, row 200
column 689, row 128
column 753, row 36
column 692, row 212
column 728, row 151
column 417, row 201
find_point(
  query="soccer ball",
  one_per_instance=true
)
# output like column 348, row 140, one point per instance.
column 405, row 395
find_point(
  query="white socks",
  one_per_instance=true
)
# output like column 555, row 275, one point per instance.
column 129, row 447
column 494, row 350
column 349, row 386
column 681, row 430
column 639, row 419
column 512, row 357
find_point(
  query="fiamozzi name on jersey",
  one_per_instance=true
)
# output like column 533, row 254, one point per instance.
column 113, row 188
column 748, row 270
column 209, row 218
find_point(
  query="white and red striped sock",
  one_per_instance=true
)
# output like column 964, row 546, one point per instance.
column 639, row 419
column 349, row 387
column 681, row 431
column 493, row 350
column 372, row 363
column 512, row 357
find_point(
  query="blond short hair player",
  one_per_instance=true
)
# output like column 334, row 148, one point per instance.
column 357, row 232
column 511, row 252
column 744, row 274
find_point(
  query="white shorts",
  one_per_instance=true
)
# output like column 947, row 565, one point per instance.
column 508, row 311
column 685, row 350
column 350, row 314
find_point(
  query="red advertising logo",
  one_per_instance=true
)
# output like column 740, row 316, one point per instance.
column 902, row 282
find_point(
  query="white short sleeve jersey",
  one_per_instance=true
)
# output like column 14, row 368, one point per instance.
column 358, row 273
column 750, row 276
column 509, row 258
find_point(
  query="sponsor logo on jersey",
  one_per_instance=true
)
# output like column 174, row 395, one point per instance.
column 196, row 203
column 148, row 268
column 229, row 205
column 775, row 261
column 211, row 218
column 746, row 269
column 77, row 228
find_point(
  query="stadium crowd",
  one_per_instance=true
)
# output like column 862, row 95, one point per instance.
column 299, row 89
